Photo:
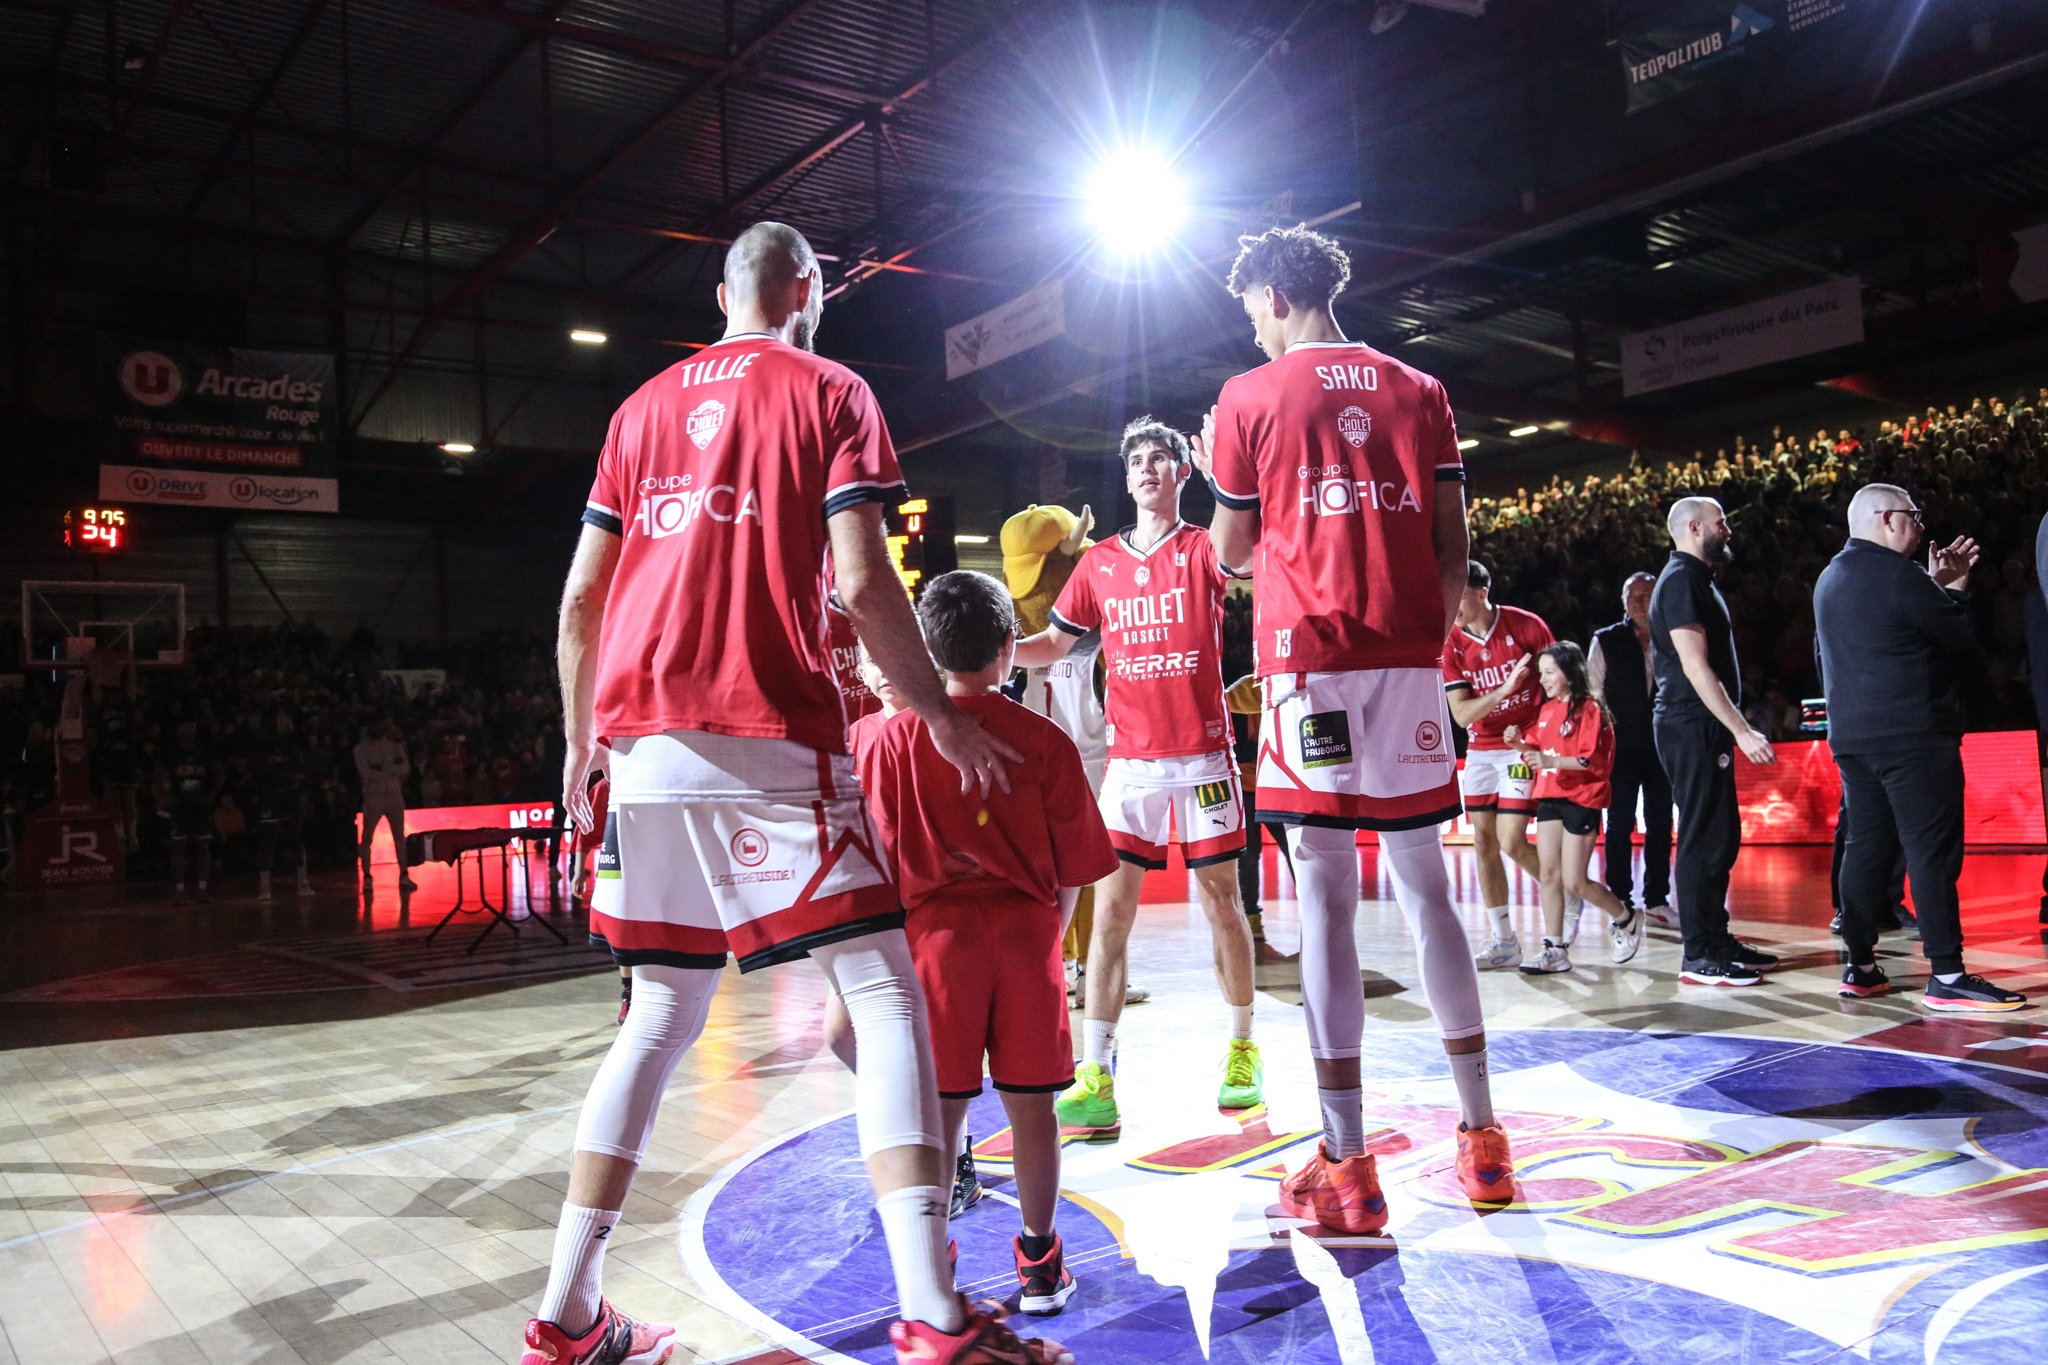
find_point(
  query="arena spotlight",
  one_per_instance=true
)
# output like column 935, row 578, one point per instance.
column 588, row 338
column 1525, row 431
column 1135, row 201
column 1468, row 443
column 458, row 447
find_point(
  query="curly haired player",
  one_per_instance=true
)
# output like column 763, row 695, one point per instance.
column 1339, row 466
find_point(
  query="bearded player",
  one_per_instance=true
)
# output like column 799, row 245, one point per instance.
column 1155, row 594
column 694, row 646
column 1339, row 467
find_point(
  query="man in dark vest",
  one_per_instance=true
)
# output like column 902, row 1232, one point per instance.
column 1620, row 670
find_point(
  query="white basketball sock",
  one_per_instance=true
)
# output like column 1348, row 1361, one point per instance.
column 914, row 1221
column 1343, row 1122
column 576, row 1274
column 1098, row 1042
column 1240, row 1021
column 1475, row 1094
column 1503, row 923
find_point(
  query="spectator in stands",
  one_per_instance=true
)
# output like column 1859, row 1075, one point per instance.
column 381, row 768
column 1623, row 674
column 1890, row 635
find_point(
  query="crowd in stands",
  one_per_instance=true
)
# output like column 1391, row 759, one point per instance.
column 490, row 732
column 1564, row 551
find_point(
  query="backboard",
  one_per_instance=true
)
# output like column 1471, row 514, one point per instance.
column 76, row 625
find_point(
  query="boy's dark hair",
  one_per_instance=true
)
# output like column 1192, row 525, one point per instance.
column 1299, row 262
column 1150, row 431
column 965, row 617
column 1477, row 575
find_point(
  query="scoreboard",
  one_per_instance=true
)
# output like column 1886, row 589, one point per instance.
column 96, row 530
column 921, row 541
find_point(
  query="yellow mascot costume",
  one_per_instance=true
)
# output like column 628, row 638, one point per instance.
column 1041, row 547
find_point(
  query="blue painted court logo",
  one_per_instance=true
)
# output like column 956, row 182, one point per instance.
column 1684, row 1199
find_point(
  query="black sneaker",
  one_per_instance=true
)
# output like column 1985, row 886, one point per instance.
column 966, row 1183
column 1968, row 994
column 1047, row 1282
column 1835, row 925
column 1864, row 981
column 1748, row 955
column 1714, row 971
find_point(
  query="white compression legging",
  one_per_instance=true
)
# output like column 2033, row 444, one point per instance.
column 896, row 1095
column 1326, row 874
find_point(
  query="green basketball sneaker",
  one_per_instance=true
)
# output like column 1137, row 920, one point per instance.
column 1090, row 1102
column 1244, row 1076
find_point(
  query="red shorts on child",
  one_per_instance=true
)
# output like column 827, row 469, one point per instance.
column 989, row 961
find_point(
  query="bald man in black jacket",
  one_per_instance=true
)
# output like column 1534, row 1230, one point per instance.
column 1890, row 634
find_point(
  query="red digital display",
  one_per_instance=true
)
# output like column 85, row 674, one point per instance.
column 96, row 530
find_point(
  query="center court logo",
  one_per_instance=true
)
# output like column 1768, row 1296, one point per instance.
column 749, row 847
column 1675, row 1189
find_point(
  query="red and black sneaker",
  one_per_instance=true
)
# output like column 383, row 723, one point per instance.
column 1859, row 982
column 1047, row 1283
column 1968, row 994
column 614, row 1339
column 985, row 1340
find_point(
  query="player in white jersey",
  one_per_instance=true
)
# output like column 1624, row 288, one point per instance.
column 1154, row 592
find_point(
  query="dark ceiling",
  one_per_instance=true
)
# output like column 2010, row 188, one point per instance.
column 437, row 190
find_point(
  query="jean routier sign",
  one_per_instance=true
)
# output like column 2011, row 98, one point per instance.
column 1760, row 333
column 219, row 426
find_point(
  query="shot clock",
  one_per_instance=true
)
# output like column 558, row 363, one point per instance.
column 96, row 530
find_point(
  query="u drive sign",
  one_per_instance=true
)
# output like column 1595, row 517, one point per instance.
column 1760, row 333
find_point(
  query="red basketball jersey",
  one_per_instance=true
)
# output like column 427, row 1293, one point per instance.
column 719, row 474
column 1581, row 733
column 1042, row 834
column 1341, row 451
column 1483, row 664
column 1160, row 611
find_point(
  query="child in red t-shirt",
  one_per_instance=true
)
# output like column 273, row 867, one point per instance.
column 1572, row 746
column 988, row 882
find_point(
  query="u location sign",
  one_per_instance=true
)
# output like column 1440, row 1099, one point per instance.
column 219, row 426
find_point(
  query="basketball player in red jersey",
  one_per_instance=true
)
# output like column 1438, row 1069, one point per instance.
column 1490, row 683
column 1338, row 480
column 694, row 646
column 1155, row 592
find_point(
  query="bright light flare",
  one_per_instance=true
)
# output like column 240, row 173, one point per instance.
column 1525, row 431
column 586, row 337
column 458, row 447
column 1468, row 443
column 1135, row 201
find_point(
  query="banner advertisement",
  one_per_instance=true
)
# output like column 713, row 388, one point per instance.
column 1028, row 320
column 219, row 426
column 1759, row 333
column 215, row 488
column 1673, row 57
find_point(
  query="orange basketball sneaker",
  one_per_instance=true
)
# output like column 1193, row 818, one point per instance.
column 614, row 1339
column 1341, row 1195
column 1485, row 1168
column 985, row 1340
